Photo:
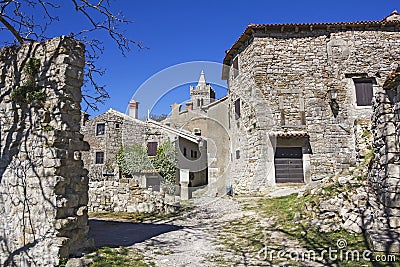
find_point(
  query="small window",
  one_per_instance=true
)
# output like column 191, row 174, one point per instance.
column 237, row 154
column 364, row 91
column 198, row 102
column 237, row 108
column 152, row 148
column 100, row 129
column 191, row 153
column 235, row 66
column 195, row 154
column 184, row 151
column 117, row 125
column 99, row 157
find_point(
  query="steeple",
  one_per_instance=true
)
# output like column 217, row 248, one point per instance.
column 202, row 80
column 201, row 95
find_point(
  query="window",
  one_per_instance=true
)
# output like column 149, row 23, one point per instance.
column 99, row 157
column 364, row 92
column 117, row 125
column 152, row 148
column 193, row 154
column 237, row 154
column 198, row 102
column 100, row 128
column 235, row 66
column 184, row 151
column 237, row 108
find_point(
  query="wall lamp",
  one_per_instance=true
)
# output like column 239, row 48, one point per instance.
column 333, row 101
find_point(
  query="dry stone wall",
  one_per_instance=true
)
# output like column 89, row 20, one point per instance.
column 384, row 173
column 114, row 194
column 43, row 185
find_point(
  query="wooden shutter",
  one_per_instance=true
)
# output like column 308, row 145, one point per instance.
column 364, row 92
column 237, row 108
column 152, row 148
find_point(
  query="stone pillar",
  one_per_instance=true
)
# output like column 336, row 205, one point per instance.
column 43, row 185
column 184, row 181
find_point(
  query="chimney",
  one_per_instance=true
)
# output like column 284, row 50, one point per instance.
column 133, row 109
column 189, row 105
column 176, row 108
column 84, row 118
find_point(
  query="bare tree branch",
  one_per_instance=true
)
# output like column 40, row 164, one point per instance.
column 11, row 29
column 28, row 20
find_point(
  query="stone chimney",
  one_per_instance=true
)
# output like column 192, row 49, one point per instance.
column 176, row 108
column 84, row 118
column 133, row 109
column 189, row 105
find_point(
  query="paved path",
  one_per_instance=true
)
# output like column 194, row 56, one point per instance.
column 195, row 243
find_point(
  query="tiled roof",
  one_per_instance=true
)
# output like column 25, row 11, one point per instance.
column 390, row 21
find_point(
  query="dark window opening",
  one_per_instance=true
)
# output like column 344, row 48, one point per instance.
column 193, row 154
column 237, row 154
column 391, row 94
column 152, row 148
column 100, row 129
column 117, row 126
column 237, row 108
column 99, row 157
column 198, row 102
column 364, row 91
column 184, row 151
column 202, row 102
column 235, row 66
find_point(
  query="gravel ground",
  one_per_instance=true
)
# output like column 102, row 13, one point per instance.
column 195, row 244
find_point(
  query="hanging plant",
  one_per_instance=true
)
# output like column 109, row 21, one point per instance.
column 29, row 91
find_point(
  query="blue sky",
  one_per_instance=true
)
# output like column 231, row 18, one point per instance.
column 176, row 32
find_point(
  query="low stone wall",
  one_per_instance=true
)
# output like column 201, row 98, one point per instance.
column 384, row 173
column 43, row 185
column 113, row 194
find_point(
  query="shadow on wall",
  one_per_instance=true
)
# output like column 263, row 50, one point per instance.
column 115, row 234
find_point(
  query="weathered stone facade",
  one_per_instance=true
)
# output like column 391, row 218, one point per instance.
column 109, row 132
column 284, row 86
column 119, row 130
column 43, row 185
column 384, row 172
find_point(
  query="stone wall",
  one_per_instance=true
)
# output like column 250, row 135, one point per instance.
column 113, row 194
column 384, row 173
column 283, row 82
column 43, row 185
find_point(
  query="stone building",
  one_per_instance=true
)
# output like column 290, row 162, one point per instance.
column 297, row 93
column 207, row 117
column 110, row 131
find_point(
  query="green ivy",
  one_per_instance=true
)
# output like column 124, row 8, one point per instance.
column 29, row 91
